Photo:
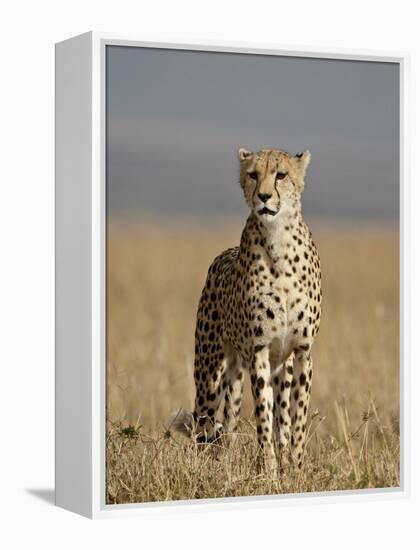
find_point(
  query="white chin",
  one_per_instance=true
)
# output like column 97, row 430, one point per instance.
column 266, row 216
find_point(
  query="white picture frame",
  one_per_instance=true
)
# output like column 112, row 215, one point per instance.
column 80, row 275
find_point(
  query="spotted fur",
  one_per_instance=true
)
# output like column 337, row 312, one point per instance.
column 259, row 312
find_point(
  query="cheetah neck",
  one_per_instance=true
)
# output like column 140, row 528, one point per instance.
column 282, row 233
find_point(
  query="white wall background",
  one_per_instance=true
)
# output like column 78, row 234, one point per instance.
column 29, row 30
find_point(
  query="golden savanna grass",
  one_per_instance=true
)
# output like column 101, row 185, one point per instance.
column 155, row 275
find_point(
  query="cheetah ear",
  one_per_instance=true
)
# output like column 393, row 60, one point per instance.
column 244, row 154
column 304, row 159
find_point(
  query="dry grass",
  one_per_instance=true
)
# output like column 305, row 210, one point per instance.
column 155, row 276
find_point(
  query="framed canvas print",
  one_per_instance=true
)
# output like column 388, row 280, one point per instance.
column 229, row 268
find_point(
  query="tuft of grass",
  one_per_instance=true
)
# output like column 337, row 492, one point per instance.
column 130, row 432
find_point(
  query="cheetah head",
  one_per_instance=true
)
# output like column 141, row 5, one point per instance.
column 272, row 181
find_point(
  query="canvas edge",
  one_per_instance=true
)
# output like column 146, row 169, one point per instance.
column 73, row 254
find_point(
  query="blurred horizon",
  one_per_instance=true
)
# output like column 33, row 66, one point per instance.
column 175, row 120
column 228, row 219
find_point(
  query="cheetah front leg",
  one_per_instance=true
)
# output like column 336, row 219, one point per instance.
column 263, row 399
column 282, row 383
column 301, row 388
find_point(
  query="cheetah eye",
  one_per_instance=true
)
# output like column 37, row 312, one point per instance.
column 253, row 175
column 281, row 175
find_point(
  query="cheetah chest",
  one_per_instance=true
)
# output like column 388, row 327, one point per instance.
column 279, row 318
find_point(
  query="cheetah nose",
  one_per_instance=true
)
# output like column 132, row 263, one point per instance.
column 264, row 196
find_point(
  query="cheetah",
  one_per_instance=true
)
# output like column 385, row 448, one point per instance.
column 259, row 312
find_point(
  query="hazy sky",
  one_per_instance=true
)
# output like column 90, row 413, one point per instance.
column 175, row 120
